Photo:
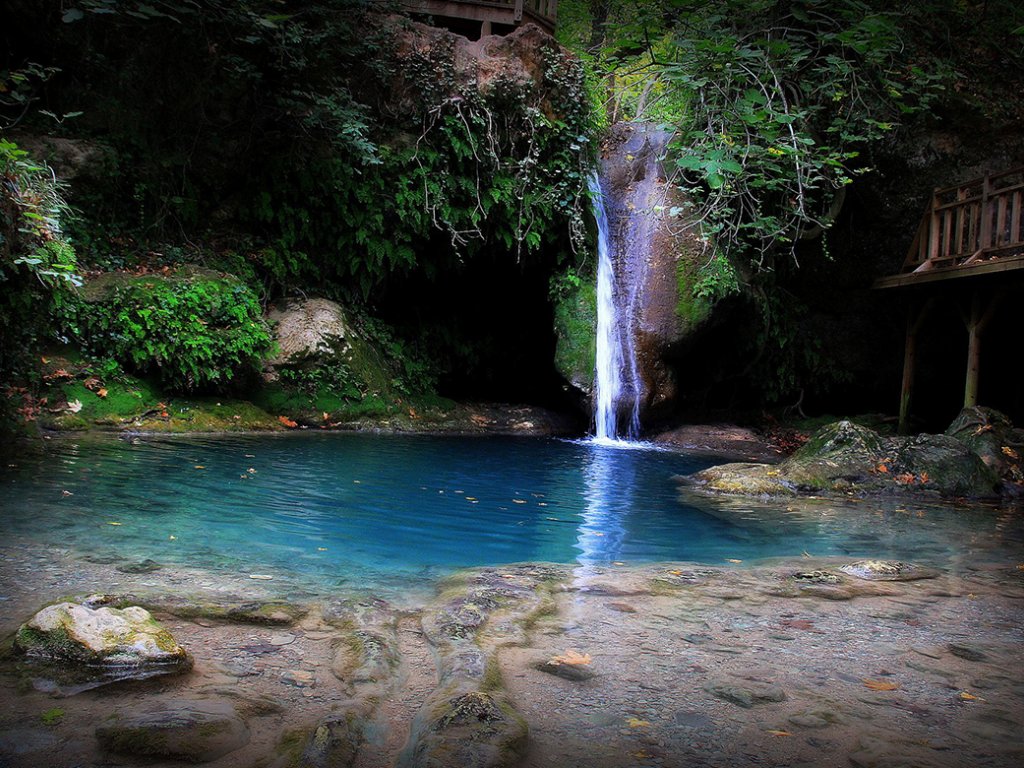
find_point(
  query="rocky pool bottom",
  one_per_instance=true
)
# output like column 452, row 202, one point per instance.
column 799, row 662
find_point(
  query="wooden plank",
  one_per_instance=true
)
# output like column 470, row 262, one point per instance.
column 961, row 216
column 995, row 266
column 1001, row 233
column 985, row 210
column 947, row 228
column 1016, row 225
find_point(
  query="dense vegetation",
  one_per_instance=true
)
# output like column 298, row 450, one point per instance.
column 266, row 149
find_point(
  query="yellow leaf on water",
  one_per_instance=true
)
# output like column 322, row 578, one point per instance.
column 111, row 522
column 880, row 685
column 321, row 549
column 965, row 696
column 732, row 560
column 471, row 498
column 634, row 722
column 572, row 659
column 200, row 466
column 172, row 537
column 780, row 733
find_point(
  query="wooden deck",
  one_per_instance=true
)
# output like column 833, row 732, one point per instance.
column 507, row 13
column 968, row 231
column 975, row 228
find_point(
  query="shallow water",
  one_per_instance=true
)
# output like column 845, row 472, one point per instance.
column 375, row 512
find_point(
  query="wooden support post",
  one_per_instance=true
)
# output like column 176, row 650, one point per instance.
column 915, row 319
column 485, row 28
column 976, row 322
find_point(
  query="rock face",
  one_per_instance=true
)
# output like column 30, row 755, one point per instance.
column 127, row 641
column 192, row 731
column 309, row 329
column 847, row 458
column 993, row 437
column 656, row 257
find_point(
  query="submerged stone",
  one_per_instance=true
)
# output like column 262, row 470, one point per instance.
column 127, row 642
column 188, row 730
column 887, row 570
column 746, row 696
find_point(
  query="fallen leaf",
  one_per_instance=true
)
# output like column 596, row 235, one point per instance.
column 69, row 493
column 965, row 696
column 882, row 468
column 200, row 466
column 924, row 477
column 287, row 422
column 112, row 522
column 91, row 383
column 982, row 429
column 172, row 537
column 732, row 560
column 572, row 659
column 75, row 406
column 906, row 478
column 880, row 685
column 1008, row 451
column 635, row 722
column 101, row 392
column 518, row 501
column 260, row 576
column 780, row 733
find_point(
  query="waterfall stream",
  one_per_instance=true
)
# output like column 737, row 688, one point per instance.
column 616, row 380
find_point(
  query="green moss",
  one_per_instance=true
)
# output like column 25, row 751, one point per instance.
column 576, row 328
column 492, row 679
column 693, row 306
column 133, row 741
column 52, row 716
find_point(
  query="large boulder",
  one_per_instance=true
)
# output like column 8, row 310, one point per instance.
column 309, row 329
column 845, row 457
column 187, row 730
column 115, row 642
column 993, row 437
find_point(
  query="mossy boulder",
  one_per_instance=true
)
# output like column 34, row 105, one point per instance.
column 992, row 436
column 187, row 730
column 128, row 640
column 844, row 457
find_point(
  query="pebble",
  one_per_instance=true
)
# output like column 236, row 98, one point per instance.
column 300, row 678
column 281, row 638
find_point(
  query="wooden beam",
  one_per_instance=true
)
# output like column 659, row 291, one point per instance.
column 915, row 319
column 981, row 315
column 1002, row 264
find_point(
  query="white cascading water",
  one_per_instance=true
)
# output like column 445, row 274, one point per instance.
column 613, row 342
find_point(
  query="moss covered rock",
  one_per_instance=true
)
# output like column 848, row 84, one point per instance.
column 844, row 457
column 123, row 639
column 187, row 730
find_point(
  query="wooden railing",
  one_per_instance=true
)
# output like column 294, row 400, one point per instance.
column 973, row 222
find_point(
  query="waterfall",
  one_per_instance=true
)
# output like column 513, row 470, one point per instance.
column 615, row 353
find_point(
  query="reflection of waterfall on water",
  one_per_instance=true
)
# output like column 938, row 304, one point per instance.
column 614, row 340
column 601, row 532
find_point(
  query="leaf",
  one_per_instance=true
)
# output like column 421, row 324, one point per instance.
column 287, row 422
column 635, row 722
column 882, row 468
column 113, row 522
column 965, row 696
column 880, row 685
column 75, row 406
column 200, row 466
column 572, row 659
column 1008, row 451
column 779, row 733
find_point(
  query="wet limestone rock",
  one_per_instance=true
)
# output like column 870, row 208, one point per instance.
column 309, row 329
column 887, row 570
column 845, row 457
column 127, row 639
column 194, row 731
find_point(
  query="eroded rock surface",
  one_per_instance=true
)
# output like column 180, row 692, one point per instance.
column 127, row 639
column 194, row 731
column 845, row 457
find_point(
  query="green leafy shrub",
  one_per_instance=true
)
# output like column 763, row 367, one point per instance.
column 36, row 262
column 196, row 329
